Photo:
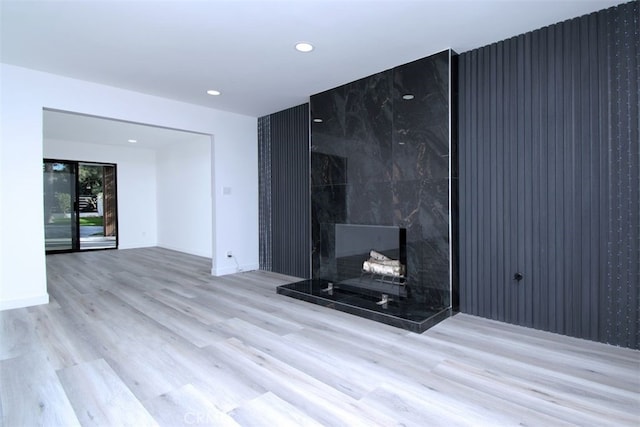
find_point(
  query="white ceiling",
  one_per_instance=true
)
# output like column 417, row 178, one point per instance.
column 245, row 49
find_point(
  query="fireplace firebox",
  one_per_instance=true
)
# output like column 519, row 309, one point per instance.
column 370, row 259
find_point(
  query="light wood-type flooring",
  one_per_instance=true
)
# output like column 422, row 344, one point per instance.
column 148, row 337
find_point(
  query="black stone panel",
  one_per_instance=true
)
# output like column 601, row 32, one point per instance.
column 328, row 169
column 370, row 203
column 423, row 155
column 328, row 121
column 421, row 124
column 424, row 212
column 329, row 206
column 368, row 124
column 381, row 159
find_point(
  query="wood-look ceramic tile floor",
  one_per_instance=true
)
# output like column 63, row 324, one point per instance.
column 148, row 337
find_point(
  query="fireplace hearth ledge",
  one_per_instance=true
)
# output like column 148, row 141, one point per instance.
column 414, row 325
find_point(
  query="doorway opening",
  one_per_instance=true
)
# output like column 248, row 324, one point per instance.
column 80, row 206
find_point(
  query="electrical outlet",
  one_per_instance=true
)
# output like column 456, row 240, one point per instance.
column 229, row 254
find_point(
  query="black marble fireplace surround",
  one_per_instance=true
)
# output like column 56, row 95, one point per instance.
column 382, row 155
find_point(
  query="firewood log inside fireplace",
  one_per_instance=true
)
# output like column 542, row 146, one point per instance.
column 381, row 264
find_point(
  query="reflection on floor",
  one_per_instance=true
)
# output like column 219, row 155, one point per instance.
column 58, row 238
column 97, row 242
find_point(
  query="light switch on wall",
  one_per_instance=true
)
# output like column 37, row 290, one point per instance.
column 226, row 191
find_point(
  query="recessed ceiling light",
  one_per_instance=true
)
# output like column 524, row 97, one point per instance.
column 408, row 97
column 213, row 92
column 304, row 47
column 133, row 141
column 318, row 120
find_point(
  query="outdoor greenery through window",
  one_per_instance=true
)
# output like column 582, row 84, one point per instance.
column 80, row 205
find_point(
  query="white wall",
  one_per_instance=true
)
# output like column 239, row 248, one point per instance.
column 136, row 179
column 184, row 196
column 23, row 95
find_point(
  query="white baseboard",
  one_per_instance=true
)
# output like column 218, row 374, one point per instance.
column 136, row 246
column 186, row 251
column 233, row 269
column 24, row 302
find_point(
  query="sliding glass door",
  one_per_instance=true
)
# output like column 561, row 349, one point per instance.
column 80, row 209
column 60, row 216
column 97, row 207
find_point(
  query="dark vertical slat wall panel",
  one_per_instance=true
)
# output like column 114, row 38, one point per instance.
column 550, row 178
column 288, row 239
column 625, row 178
column 535, row 177
column 605, row 297
column 264, row 185
column 594, row 132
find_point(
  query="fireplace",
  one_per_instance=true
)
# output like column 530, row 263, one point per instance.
column 370, row 259
column 383, row 178
column 364, row 270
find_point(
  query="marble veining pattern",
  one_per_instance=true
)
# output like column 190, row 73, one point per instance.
column 379, row 158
